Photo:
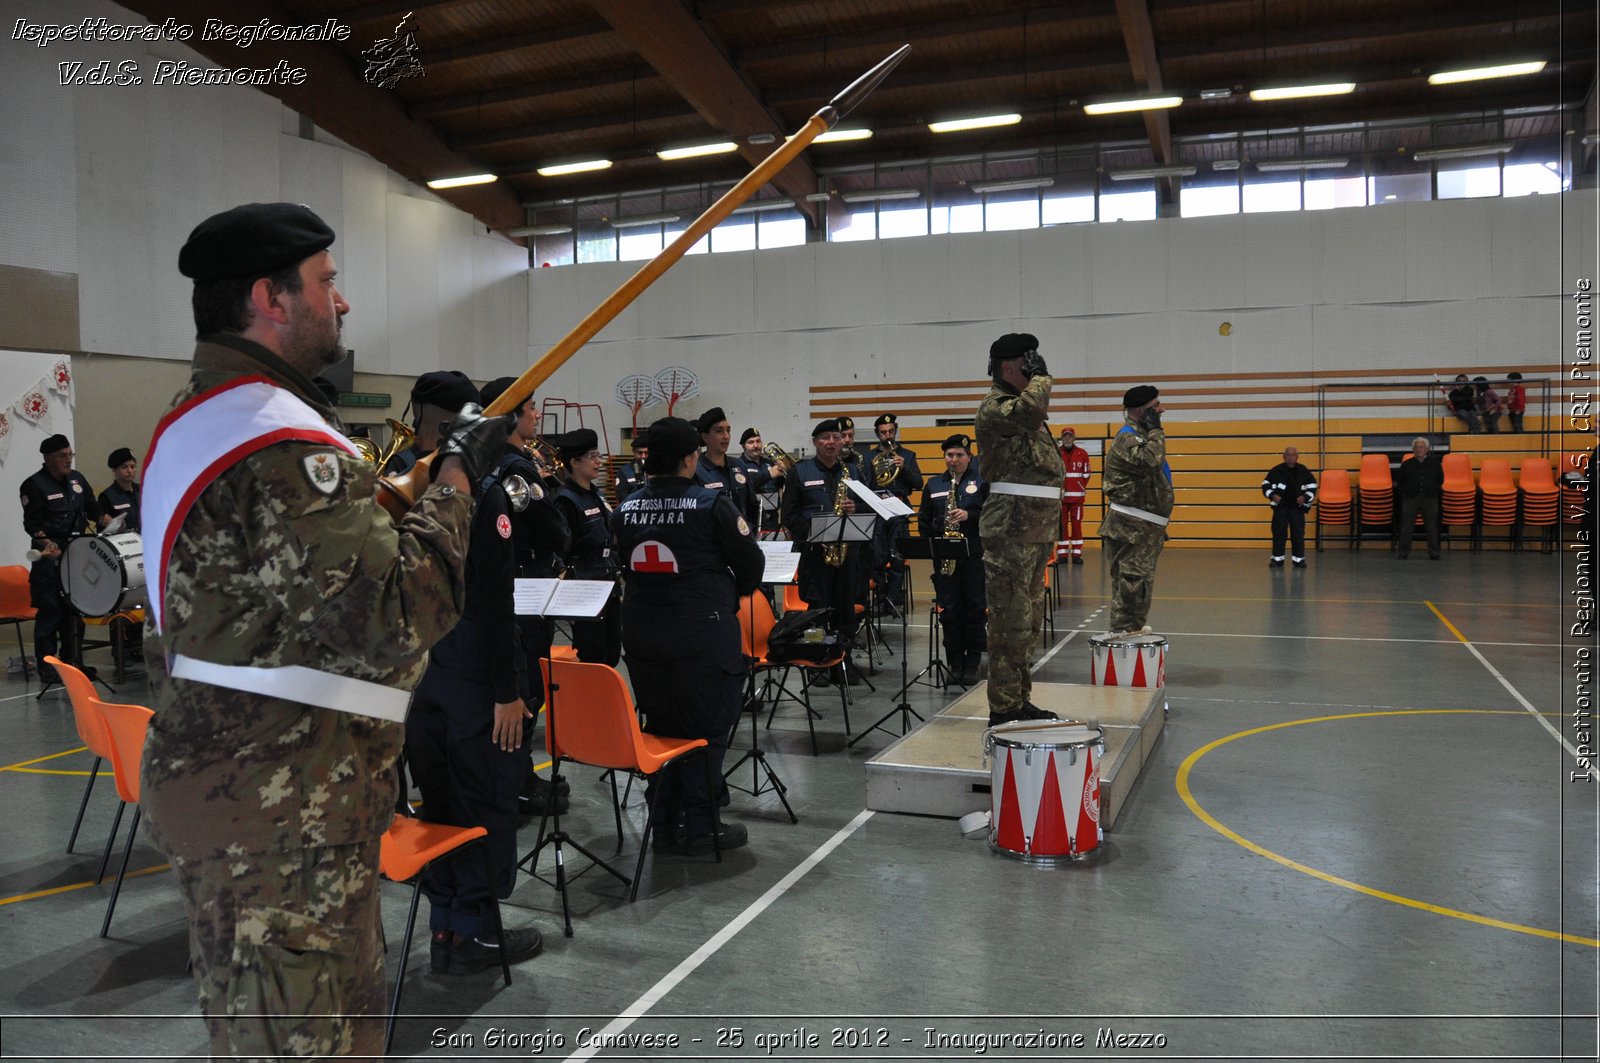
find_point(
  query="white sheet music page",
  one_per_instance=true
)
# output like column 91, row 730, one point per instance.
column 579, row 597
column 530, row 597
column 883, row 507
column 780, row 568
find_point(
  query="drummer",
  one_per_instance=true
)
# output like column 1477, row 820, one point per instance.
column 121, row 499
column 57, row 506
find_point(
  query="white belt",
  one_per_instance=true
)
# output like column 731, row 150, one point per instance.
column 294, row 682
column 1139, row 514
column 1025, row 490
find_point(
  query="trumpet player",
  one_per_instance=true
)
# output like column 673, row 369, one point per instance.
column 764, row 479
column 894, row 472
column 814, row 487
column 951, row 504
column 631, row 476
column 436, row 398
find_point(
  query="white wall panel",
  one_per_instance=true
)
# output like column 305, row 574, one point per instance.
column 1364, row 255
column 1447, row 250
column 1579, row 240
column 362, row 254
column 850, row 284
column 785, row 288
column 1283, row 255
column 1425, row 335
column 413, row 287
column 1521, row 234
column 1205, row 263
column 916, row 276
column 1129, row 263
column 455, row 282
column 1529, row 329
column 985, row 278
column 38, row 153
column 1057, row 275
column 553, row 295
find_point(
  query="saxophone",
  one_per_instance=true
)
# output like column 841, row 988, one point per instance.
column 952, row 530
column 833, row 554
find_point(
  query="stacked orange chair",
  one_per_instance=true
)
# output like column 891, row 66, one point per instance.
column 1541, row 498
column 1458, row 503
column 1335, row 505
column 1571, row 498
column 1375, row 506
column 1498, row 492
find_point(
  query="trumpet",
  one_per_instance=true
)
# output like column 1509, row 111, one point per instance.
column 545, row 459
column 400, row 437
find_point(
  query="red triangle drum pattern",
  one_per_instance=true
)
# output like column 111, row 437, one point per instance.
column 1134, row 661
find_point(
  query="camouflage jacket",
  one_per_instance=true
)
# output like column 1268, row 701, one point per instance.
column 1015, row 446
column 1135, row 475
column 269, row 570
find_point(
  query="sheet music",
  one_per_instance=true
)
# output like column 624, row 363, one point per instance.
column 886, row 508
column 780, row 547
column 780, row 568
column 560, row 597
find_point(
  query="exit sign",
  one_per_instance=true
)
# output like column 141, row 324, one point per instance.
column 365, row 398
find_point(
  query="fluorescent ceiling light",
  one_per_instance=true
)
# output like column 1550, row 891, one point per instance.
column 761, row 138
column 833, row 136
column 757, row 208
column 460, row 182
column 721, row 147
column 1013, row 186
column 1466, row 151
column 1508, row 70
column 957, row 125
column 1215, row 94
column 1225, row 164
column 574, row 167
column 643, row 219
column 819, row 197
column 538, row 230
column 887, row 193
column 1157, row 171
column 1295, row 92
column 1149, row 103
column 1284, row 165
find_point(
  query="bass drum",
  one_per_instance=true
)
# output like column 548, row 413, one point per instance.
column 104, row 574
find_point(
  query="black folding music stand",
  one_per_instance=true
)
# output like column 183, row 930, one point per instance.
column 854, row 529
column 755, row 754
column 920, row 548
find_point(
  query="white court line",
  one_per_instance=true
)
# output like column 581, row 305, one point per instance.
column 1350, row 638
column 1070, row 636
column 653, row 996
column 17, row 697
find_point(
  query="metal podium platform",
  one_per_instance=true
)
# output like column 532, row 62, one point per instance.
column 938, row 769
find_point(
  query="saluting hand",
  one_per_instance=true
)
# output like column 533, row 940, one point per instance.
column 508, row 717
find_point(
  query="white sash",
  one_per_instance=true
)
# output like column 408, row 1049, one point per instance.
column 201, row 440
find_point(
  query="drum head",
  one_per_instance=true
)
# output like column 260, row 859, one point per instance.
column 1065, row 733
column 1106, row 640
column 99, row 571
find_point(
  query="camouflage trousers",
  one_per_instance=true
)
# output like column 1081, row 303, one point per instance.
column 1133, row 579
column 1015, row 576
column 288, row 951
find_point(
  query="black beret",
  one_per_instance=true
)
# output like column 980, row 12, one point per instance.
column 54, row 443
column 253, row 241
column 671, row 439
column 825, row 427
column 576, row 443
column 957, row 440
column 120, row 456
column 448, row 389
column 885, row 418
column 1013, row 345
column 710, row 419
column 846, row 423
column 1138, row 396
column 747, row 435
column 495, row 388
column 639, row 442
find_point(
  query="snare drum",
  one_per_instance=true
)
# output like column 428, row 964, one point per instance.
column 1128, row 661
column 104, row 574
column 1044, row 796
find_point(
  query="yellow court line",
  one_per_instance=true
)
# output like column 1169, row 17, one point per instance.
column 39, row 760
column 1394, row 898
column 49, row 771
column 1446, row 622
column 52, row 891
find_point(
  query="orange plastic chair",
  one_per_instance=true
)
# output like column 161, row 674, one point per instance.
column 1458, row 474
column 792, row 599
column 1495, row 477
column 92, row 732
column 591, row 720
column 126, row 726
column 786, row 668
column 1537, row 477
column 755, row 626
column 1376, row 482
column 16, row 606
column 407, row 849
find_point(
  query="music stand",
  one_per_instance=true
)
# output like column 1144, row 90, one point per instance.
column 536, row 599
column 830, row 529
column 755, row 754
column 919, row 548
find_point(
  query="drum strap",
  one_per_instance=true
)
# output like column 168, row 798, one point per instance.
column 204, row 438
column 304, row 685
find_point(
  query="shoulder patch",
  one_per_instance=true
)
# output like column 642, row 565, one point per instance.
column 322, row 470
column 502, row 524
column 744, row 527
column 972, row 488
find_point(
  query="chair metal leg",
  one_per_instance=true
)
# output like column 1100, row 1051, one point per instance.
column 405, row 956
column 111, row 839
column 105, row 927
column 494, row 905
column 616, row 808
column 94, row 773
column 644, row 841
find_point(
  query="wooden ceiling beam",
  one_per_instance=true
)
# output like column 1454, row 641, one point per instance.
column 336, row 97
column 637, row 76
column 668, row 36
column 572, row 33
column 573, row 124
column 1134, row 15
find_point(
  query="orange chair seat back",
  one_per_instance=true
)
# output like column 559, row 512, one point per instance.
column 1333, row 487
column 1375, row 473
column 595, row 723
column 1537, row 476
column 1458, row 473
column 126, row 725
column 1495, row 477
column 15, row 601
column 80, row 691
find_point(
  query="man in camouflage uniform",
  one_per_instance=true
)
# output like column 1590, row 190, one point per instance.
column 1019, row 522
column 1137, row 484
column 287, row 609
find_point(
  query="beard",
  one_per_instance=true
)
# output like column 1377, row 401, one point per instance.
column 313, row 344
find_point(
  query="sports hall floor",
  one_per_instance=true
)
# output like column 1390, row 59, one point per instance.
column 1355, row 839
